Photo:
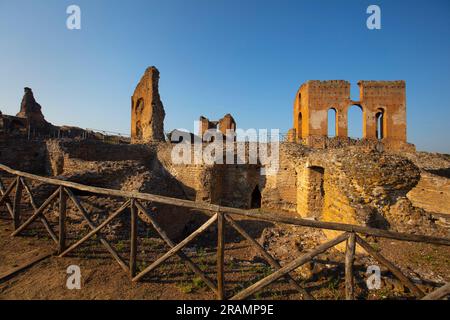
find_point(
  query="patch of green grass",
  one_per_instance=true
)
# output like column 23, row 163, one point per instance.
column 333, row 286
column 190, row 287
column 375, row 246
column 186, row 288
column 140, row 266
column 262, row 270
column 198, row 283
column 120, row 245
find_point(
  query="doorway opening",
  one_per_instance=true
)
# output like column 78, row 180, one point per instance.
column 255, row 201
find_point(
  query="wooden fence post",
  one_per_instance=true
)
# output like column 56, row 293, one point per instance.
column 349, row 259
column 133, row 238
column 220, row 256
column 7, row 201
column 16, row 205
column 62, row 220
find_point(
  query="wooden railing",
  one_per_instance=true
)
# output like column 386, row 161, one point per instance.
column 218, row 214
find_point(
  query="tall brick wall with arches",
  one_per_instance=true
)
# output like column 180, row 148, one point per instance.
column 383, row 105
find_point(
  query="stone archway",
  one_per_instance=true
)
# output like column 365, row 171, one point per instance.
column 355, row 121
column 380, row 118
column 332, row 125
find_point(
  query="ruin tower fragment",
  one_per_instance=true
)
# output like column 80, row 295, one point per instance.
column 31, row 110
column 147, row 110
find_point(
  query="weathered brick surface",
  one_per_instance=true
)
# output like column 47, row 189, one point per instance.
column 147, row 111
column 385, row 99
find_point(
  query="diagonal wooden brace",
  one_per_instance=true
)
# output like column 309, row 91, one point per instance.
column 91, row 225
column 288, row 268
column 96, row 230
column 267, row 256
column 37, row 213
column 180, row 254
column 176, row 249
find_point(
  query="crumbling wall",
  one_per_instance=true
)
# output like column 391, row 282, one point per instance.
column 388, row 97
column 147, row 111
column 65, row 155
column 311, row 105
column 31, row 110
column 432, row 193
column 361, row 187
column 383, row 104
column 280, row 189
column 23, row 155
column 227, row 185
column 237, row 182
column 226, row 125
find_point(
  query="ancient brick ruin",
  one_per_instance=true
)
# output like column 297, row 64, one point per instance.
column 31, row 110
column 226, row 125
column 147, row 111
column 383, row 105
column 30, row 117
column 351, row 183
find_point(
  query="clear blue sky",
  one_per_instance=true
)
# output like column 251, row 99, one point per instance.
column 245, row 57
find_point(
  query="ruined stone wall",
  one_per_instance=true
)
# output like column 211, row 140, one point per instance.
column 361, row 187
column 389, row 97
column 223, row 125
column 147, row 111
column 23, row 155
column 227, row 123
column 237, row 182
column 432, row 193
column 31, row 110
column 384, row 100
column 228, row 185
column 69, row 155
column 280, row 189
column 13, row 126
column 205, row 125
column 313, row 101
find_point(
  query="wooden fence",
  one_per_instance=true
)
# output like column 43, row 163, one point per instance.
column 219, row 215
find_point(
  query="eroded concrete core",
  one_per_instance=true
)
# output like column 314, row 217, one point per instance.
column 147, row 111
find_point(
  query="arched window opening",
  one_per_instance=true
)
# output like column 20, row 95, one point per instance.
column 379, row 116
column 256, row 198
column 332, row 123
column 355, row 122
column 299, row 130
